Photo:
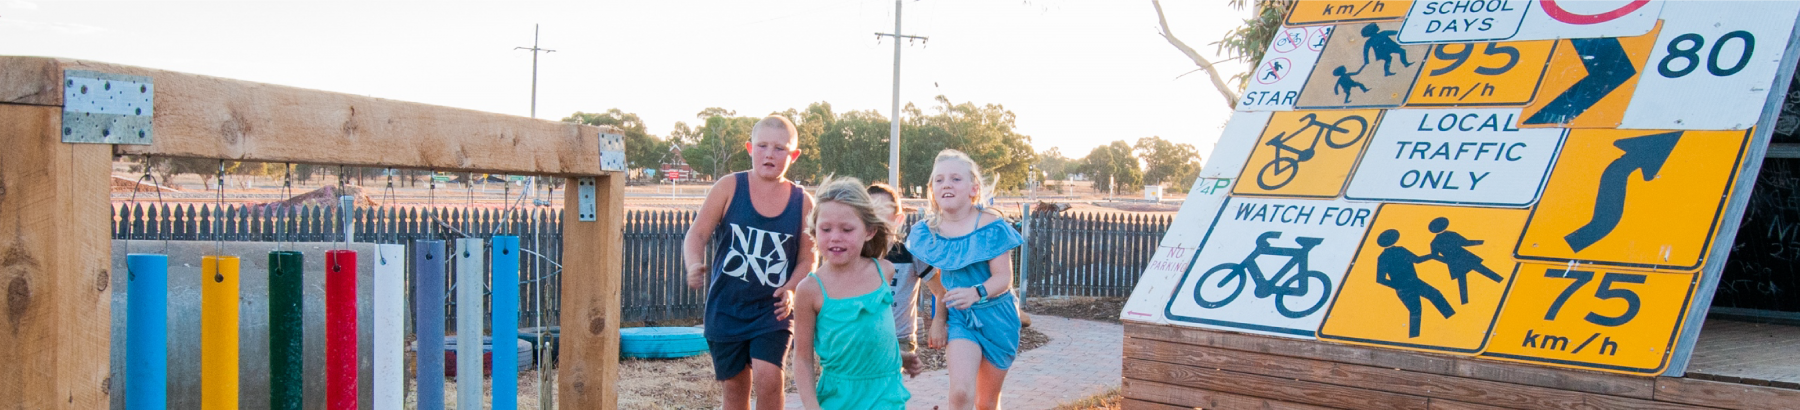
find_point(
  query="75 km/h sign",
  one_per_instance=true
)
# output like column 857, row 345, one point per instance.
column 1610, row 318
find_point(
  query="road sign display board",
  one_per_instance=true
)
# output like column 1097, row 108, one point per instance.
column 1270, row 266
column 1362, row 66
column 1445, row 269
column 1543, row 181
column 1277, row 80
column 1455, row 156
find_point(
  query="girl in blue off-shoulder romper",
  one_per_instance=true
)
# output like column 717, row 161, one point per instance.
column 971, row 246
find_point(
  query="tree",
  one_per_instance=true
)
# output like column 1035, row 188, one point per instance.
column 1054, row 165
column 1166, row 162
column 984, row 132
column 1245, row 44
column 642, row 150
column 1113, row 166
column 720, row 148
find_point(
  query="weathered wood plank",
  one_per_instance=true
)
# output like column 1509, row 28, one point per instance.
column 590, row 298
column 210, row 117
column 1374, row 378
column 1143, row 394
column 1727, row 395
column 55, row 269
column 1320, row 394
column 1562, row 379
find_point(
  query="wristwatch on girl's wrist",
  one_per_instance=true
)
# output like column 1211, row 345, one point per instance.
column 981, row 290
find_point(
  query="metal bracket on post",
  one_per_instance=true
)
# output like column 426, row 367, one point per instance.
column 102, row 108
column 586, row 207
column 612, row 152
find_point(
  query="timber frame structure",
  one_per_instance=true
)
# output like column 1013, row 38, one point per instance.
column 55, row 247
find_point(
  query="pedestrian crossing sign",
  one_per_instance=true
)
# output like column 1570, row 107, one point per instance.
column 1427, row 278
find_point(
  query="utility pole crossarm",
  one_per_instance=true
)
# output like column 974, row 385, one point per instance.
column 534, row 69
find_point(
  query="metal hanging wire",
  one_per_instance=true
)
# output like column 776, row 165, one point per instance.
column 283, row 212
column 132, row 203
column 219, row 214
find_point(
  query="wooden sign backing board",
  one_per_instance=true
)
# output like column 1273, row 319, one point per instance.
column 1363, row 66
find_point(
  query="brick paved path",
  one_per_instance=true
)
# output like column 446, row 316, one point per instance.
column 1081, row 360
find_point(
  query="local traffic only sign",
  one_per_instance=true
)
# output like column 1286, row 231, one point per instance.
column 1538, row 181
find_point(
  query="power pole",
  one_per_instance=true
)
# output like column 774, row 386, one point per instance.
column 534, row 57
column 894, row 130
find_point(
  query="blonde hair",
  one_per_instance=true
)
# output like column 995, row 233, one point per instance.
column 777, row 123
column 934, row 213
column 850, row 192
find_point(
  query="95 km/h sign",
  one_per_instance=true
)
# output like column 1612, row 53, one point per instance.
column 1593, row 317
column 1475, row 74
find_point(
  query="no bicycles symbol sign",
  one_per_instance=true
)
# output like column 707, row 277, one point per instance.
column 1544, row 181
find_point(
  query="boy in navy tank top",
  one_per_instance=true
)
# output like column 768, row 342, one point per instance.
column 754, row 221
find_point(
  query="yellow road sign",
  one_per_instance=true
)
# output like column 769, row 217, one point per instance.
column 1481, row 73
column 1590, row 317
column 1443, row 269
column 1363, row 66
column 1589, row 81
column 1645, row 198
column 1307, row 153
column 1321, row 12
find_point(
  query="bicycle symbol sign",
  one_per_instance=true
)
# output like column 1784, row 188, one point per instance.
column 1307, row 153
column 1279, row 281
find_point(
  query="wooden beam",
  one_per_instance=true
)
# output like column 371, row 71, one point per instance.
column 592, row 262
column 209, row 117
column 1152, row 395
column 1377, row 378
column 1563, row 379
column 55, row 267
column 1290, row 390
column 1728, row 395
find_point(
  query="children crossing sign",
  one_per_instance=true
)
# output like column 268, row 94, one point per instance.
column 1548, row 181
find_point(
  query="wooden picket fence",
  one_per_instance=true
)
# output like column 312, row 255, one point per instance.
column 1089, row 254
column 1070, row 254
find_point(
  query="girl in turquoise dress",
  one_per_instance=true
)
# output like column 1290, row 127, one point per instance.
column 977, row 317
column 851, row 336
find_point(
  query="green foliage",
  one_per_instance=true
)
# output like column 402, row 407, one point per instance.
column 1167, row 163
column 1113, row 166
column 984, row 132
column 642, row 150
column 1248, row 42
column 718, row 147
column 1055, row 166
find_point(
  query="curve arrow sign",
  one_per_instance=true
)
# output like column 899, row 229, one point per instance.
column 1607, row 65
column 1646, row 153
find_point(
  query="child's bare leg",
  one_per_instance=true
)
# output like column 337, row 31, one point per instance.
column 737, row 391
column 768, row 383
column 964, row 361
column 988, row 383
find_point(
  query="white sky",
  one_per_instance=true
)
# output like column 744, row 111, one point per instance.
column 1078, row 73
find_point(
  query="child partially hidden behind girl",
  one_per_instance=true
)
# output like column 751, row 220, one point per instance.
column 843, row 318
column 971, row 247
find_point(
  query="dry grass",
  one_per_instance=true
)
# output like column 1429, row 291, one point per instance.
column 1099, row 309
column 528, row 393
column 685, row 383
column 1109, row 400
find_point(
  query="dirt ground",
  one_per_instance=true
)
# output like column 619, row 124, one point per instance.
column 1101, row 309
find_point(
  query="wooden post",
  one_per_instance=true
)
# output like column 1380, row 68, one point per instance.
column 55, row 267
column 590, row 298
